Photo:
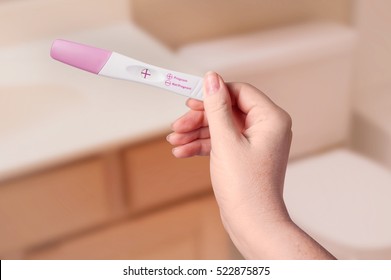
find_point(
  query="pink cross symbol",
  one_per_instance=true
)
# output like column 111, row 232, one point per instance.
column 145, row 73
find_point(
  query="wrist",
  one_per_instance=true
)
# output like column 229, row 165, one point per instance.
column 251, row 227
column 258, row 239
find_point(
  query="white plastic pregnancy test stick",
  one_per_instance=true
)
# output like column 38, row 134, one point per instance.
column 115, row 65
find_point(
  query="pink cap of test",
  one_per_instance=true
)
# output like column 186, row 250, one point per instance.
column 81, row 56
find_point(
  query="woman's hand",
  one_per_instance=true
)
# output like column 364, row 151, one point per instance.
column 248, row 139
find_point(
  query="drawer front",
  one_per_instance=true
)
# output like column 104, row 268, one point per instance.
column 46, row 206
column 154, row 176
column 188, row 231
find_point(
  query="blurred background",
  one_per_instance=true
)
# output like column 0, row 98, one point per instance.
column 86, row 173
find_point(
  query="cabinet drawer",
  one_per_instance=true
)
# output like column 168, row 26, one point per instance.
column 154, row 176
column 189, row 231
column 45, row 206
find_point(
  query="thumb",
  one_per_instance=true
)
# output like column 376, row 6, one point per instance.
column 218, row 109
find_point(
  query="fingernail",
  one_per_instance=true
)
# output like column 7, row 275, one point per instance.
column 168, row 137
column 174, row 151
column 212, row 83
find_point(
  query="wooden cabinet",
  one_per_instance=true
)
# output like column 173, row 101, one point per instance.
column 44, row 207
column 189, row 230
column 155, row 177
column 137, row 202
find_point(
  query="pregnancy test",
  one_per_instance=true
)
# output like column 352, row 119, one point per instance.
column 111, row 64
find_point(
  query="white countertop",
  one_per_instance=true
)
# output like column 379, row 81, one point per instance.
column 51, row 113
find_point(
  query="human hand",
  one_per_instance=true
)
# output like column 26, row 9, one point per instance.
column 248, row 139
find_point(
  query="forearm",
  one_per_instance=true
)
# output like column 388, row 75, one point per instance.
column 281, row 239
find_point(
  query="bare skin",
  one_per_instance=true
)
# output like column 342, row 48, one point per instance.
column 248, row 139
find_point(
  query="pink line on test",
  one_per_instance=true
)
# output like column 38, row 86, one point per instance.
column 81, row 56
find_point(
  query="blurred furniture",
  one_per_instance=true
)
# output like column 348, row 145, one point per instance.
column 138, row 202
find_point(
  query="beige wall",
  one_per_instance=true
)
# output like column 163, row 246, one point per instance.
column 373, row 21
column 372, row 81
column 26, row 20
column 177, row 22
